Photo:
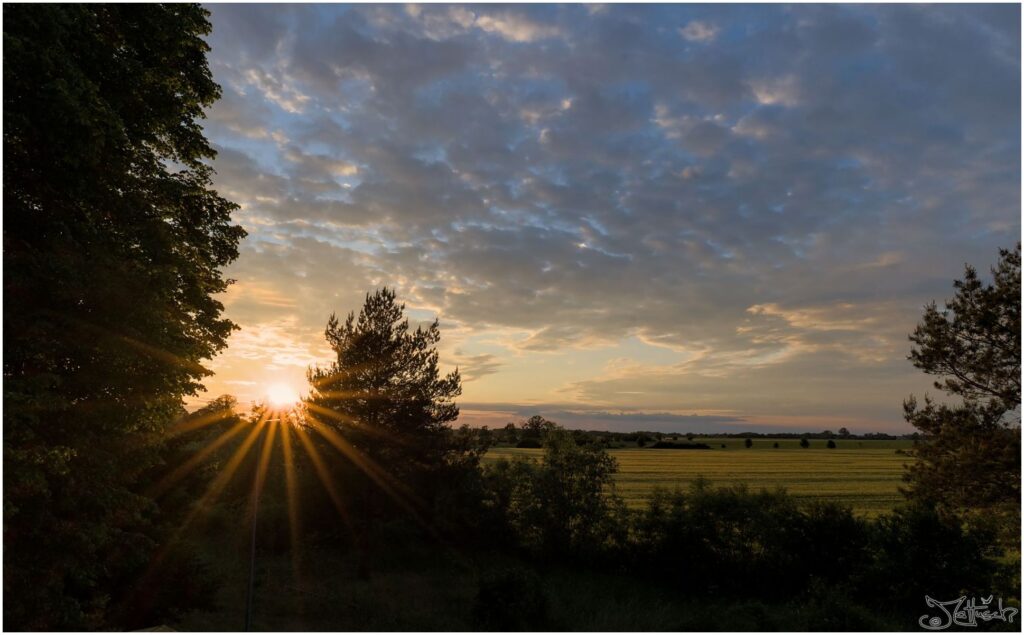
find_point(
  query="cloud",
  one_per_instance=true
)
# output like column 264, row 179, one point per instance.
column 776, row 187
column 697, row 31
column 473, row 367
column 516, row 28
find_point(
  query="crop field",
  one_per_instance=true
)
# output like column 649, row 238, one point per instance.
column 862, row 474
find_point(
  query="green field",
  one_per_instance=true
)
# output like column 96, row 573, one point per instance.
column 862, row 474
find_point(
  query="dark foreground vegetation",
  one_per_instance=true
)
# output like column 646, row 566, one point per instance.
column 372, row 512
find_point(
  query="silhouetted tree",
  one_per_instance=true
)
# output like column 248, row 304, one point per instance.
column 384, row 391
column 831, row 444
column 537, row 426
column 748, row 442
column 511, row 434
column 804, row 443
column 775, row 445
column 843, row 432
column 386, row 401
column 113, row 248
column 968, row 459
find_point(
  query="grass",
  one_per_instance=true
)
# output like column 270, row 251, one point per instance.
column 862, row 474
column 418, row 589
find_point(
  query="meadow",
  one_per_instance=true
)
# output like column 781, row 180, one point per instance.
column 863, row 474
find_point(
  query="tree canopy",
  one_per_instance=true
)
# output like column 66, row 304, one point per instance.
column 114, row 243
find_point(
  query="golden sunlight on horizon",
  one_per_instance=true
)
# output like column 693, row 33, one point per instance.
column 282, row 395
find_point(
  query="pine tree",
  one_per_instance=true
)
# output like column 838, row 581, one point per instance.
column 968, row 459
column 384, row 391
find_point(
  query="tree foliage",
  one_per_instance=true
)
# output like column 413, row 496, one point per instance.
column 385, row 393
column 968, row 461
column 561, row 505
column 113, row 249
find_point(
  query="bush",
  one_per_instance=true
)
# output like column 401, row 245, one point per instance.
column 914, row 551
column 731, row 540
column 558, row 507
column 529, row 443
column 511, row 600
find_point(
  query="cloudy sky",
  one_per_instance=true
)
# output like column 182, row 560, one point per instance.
column 686, row 217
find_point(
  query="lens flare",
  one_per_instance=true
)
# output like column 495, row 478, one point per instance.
column 282, row 395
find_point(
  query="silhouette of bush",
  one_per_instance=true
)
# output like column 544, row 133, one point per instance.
column 511, row 600
column 831, row 444
column 530, row 443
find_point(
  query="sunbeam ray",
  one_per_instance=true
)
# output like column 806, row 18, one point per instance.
column 292, row 498
column 387, row 482
column 185, row 468
column 324, row 475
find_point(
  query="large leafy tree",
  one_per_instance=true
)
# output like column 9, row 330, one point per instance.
column 968, row 460
column 113, row 248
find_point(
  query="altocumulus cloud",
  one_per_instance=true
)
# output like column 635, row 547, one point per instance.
column 766, row 194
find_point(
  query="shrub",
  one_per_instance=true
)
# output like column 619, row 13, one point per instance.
column 511, row 600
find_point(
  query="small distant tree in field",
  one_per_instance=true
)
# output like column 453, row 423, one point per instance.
column 831, row 445
column 511, row 434
column 747, row 443
column 968, row 456
column 689, row 436
column 485, row 437
column 775, row 445
column 804, row 443
column 844, row 433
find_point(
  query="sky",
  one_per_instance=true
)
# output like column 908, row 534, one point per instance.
column 663, row 217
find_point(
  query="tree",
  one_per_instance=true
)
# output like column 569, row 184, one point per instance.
column 748, row 442
column 831, row 445
column 511, row 434
column 383, row 401
column 775, row 445
column 537, row 426
column 114, row 244
column 804, row 443
column 561, row 505
column 968, row 456
column 844, row 433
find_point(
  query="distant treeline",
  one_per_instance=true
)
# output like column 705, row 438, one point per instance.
column 527, row 434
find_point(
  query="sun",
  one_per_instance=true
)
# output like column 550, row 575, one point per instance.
column 282, row 395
